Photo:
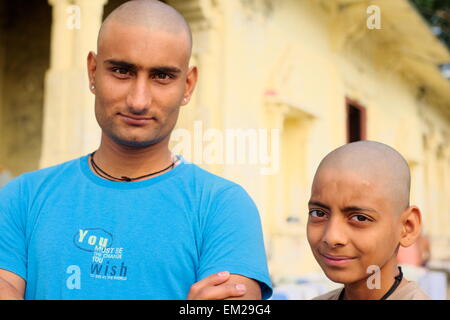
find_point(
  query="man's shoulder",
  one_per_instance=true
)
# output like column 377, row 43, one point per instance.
column 19, row 191
column 45, row 175
column 54, row 170
column 209, row 180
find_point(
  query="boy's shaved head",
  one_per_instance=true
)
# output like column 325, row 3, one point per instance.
column 151, row 14
column 375, row 162
column 359, row 214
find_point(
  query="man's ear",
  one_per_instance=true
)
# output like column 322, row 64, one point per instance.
column 411, row 221
column 191, row 81
column 91, row 68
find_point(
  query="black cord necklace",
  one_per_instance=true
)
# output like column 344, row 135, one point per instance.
column 398, row 279
column 107, row 176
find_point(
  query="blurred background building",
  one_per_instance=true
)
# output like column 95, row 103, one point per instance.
column 321, row 73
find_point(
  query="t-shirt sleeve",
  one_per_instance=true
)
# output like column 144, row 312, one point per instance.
column 13, row 251
column 233, row 240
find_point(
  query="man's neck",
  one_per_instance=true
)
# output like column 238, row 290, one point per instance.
column 360, row 290
column 119, row 160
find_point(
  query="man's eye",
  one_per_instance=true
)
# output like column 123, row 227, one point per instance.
column 162, row 76
column 120, row 71
column 317, row 213
column 360, row 218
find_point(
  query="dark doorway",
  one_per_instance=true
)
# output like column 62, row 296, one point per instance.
column 356, row 121
column 24, row 58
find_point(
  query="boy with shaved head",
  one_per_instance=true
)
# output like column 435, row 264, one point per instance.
column 359, row 215
column 132, row 220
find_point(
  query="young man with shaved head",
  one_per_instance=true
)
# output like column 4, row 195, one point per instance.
column 132, row 220
column 359, row 215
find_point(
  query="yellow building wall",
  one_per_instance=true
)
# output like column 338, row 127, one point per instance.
column 280, row 68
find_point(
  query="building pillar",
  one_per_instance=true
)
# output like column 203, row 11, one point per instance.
column 433, row 213
column 433, row 192
column 444, row 190
column 445, row 199
column 86, row 41
column 68, row 127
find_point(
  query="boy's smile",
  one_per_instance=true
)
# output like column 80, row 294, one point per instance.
column 335, row 260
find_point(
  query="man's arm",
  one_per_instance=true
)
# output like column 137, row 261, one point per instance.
column 225, row 286
column 12, row 287
column 233, row 241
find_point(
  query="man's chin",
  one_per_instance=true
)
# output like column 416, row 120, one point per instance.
column 135, row 143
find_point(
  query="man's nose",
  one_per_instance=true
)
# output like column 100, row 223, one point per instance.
column 139, row 96
column 335, row 234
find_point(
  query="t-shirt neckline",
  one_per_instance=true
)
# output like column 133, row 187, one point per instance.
column 88, row 173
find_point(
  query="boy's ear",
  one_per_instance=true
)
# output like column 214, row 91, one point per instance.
column 411, row 221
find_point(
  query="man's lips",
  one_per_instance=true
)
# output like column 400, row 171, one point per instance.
column 136, row 120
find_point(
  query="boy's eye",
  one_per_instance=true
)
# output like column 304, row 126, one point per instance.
column 360, row 218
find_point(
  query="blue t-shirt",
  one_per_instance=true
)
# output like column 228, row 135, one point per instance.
column 73, row 235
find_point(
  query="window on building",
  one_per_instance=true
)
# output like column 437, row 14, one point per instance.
column 356, row 121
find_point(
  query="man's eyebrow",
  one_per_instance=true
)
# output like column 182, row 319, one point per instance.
column 163, row 69
column 346, row 209
column 357, row 208
column 318, row 204
column 120, row 63
column 128, row 65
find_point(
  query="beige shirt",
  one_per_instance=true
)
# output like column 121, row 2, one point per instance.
column 410, row 291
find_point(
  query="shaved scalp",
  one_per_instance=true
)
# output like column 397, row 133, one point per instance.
column 152, row 14
column 374, row 161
